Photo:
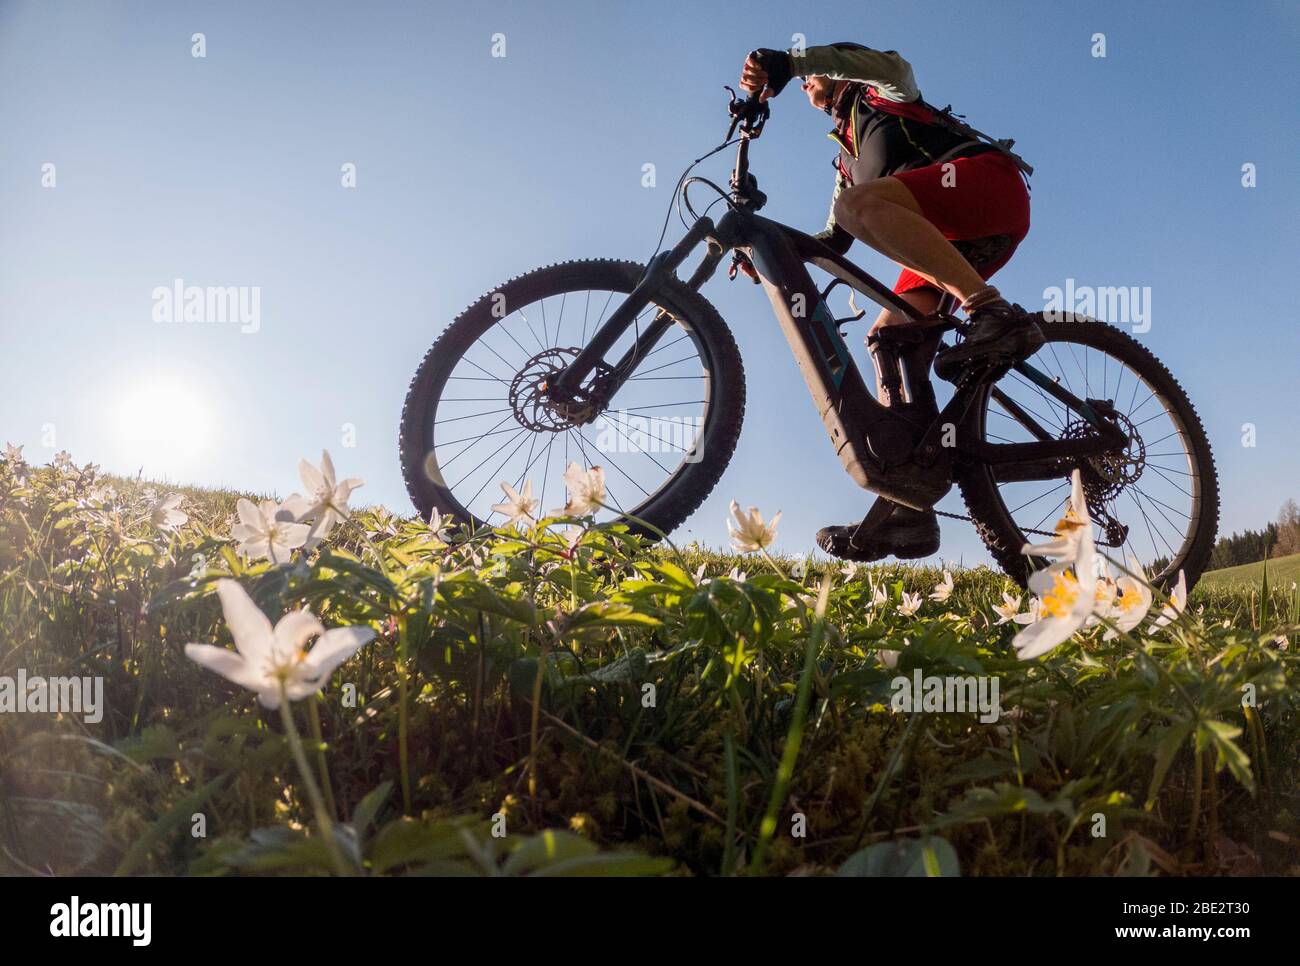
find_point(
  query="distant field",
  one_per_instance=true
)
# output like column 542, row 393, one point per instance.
column 1282, row 571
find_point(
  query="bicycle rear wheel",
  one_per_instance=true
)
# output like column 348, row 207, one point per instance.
column 1158, row 501
column 476, row 414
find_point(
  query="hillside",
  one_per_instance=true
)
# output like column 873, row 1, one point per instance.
column 1283, row 572
column 563, row 699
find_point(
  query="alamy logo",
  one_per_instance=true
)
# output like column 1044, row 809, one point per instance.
column 949, row 693
column 1117, row 304
column 57, row 695
column 627, row 432
column 72, row 920
column 231, row 304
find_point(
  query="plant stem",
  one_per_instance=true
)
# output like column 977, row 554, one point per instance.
column 768, row 557
column 403, row 718
column 1196, row 792
column 914, row 727
column 313, row 716
column 323, row 820
column 794, row 738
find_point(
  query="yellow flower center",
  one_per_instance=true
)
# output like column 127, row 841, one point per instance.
column 1068, row 523
column 1128, row 599
column 1059, row 601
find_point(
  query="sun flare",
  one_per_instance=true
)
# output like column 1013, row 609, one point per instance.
column 162, row 426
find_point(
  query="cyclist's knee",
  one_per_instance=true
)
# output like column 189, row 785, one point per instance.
column 860, row 208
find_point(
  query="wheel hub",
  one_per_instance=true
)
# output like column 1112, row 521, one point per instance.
column 536, row 407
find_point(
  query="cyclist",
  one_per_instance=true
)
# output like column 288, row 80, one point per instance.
column 950, row 208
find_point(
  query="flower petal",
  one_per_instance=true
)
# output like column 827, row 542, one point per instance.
column 294, row 630
column 227, row 663
column 334, row 647
column 248, row 625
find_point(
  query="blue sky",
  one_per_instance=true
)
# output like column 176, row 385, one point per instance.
column 225, row 170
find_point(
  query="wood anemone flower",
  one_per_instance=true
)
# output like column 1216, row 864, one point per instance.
column 266, row 657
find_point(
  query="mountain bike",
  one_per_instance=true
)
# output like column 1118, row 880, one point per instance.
column 629, row 367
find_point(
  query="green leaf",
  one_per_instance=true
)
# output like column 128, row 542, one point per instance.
column 1165, row 752
column 1220, row 737
column 931, row 856
column 409, row 842
column 545, row 847
column 363, row 817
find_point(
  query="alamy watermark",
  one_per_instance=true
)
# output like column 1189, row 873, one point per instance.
column 75, row 919
column 627, row 432
column 1128, row 305
column 218, row 304
column 21, row 694
column 952, row 693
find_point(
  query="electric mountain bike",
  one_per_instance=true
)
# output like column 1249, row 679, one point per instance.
column 627, row 366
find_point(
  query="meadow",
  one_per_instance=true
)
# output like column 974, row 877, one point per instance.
column 564, row 698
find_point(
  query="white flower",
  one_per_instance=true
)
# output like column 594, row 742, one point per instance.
column 878, row 596
column 1035, row 611
column 268, row 530
column 518, row 505
column 1132, row 601
column 326, row 500
column 1066, row 599
column 737, row 575
column 910, row 604
column 586, row 491
column 850, row 570
column 437, row 525
column 888, row 658
column 13, row 454
column 1177, row 604
column 164, row 514
column 799, row 568
column 1065, row 602
column 699, row 574
column 1071, row 529
column 943, row 590
column 1103, row 598
column 750, row 532
column 264, row 658
column 1008, row 609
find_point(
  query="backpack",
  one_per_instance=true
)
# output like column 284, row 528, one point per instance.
column 919, row 110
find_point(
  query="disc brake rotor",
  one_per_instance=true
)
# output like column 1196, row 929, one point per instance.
column 531, row 402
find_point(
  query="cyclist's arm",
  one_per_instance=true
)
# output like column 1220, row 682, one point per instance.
column 885, row 70
column 833, row 236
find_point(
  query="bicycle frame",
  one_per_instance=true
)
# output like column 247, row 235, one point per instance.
column 905, row 454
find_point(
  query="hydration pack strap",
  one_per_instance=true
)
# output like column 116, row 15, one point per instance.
column 952, row 121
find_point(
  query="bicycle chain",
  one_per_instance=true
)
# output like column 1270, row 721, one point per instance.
column 958, row 516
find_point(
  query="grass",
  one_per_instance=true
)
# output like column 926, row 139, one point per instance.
column 1282, row 572
column 536, row 705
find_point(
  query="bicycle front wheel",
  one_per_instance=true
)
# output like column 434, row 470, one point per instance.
column 477, row 414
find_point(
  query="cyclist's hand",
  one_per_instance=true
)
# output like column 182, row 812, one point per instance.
column 766, row 70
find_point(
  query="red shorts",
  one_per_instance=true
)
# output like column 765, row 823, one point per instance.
column 980, row 204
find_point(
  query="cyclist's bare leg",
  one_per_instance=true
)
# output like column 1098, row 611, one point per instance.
column 883, row 214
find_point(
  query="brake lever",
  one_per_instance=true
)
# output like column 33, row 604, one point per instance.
column 750, row 112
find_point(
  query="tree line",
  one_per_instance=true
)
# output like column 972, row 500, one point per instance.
column 1280, row 539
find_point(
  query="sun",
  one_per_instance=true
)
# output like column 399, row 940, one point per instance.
column 162, row 425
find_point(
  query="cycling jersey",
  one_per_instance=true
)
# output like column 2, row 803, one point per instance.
column 881, row 125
